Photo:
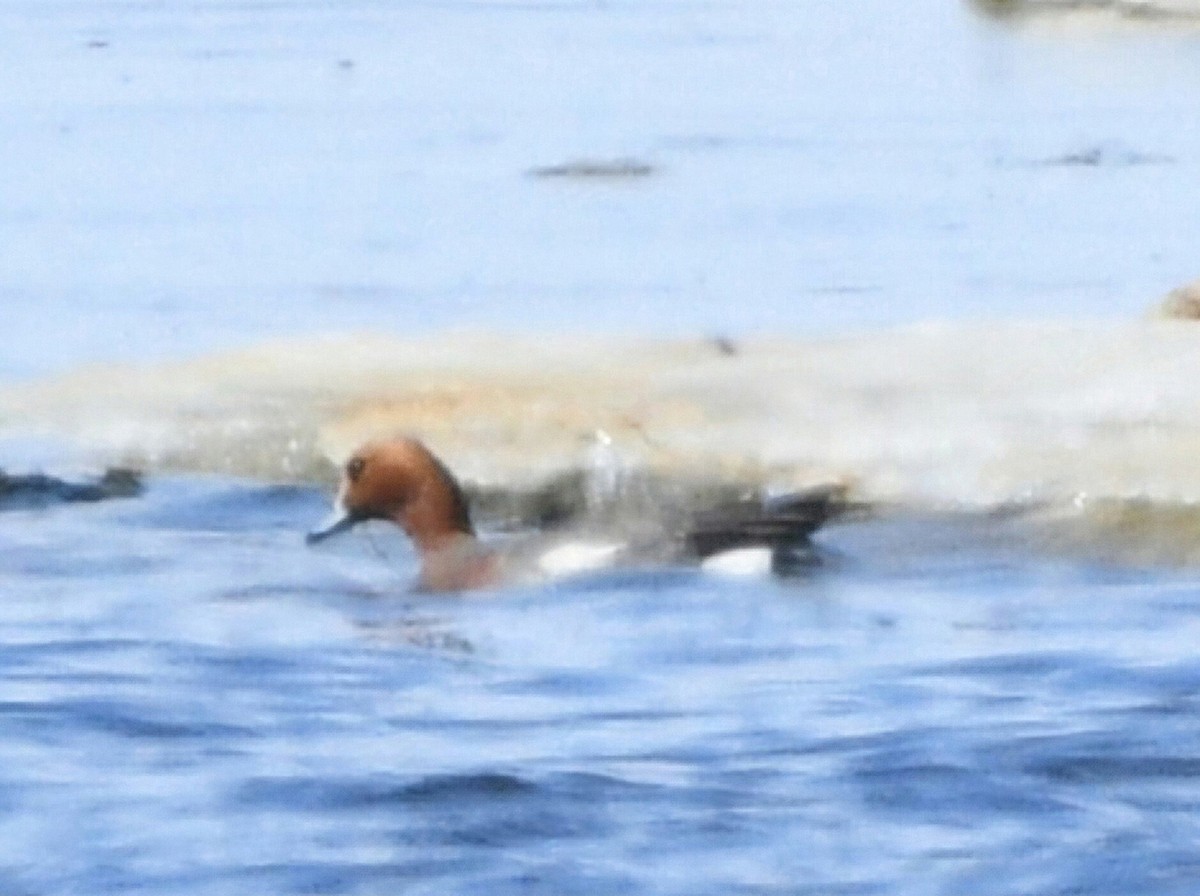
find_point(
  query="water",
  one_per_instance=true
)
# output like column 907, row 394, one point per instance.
column 196, row 179
column 658, row 246
column 212, row 708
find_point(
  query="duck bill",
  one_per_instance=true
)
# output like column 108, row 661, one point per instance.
column 340, row 520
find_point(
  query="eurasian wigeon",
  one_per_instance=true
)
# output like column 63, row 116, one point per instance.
column 401, row 481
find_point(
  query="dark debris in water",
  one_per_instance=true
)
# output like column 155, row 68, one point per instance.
column 1087, row 157
column 1102, row 156
column 1010, row 10
column 34, row 490
column 585, row 169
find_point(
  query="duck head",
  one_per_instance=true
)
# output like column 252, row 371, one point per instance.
column 399, row 480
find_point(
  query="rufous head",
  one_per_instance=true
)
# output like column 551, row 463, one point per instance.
column 402, row 481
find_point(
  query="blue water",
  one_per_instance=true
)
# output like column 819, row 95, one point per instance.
column 183, row 180
column 193, row 702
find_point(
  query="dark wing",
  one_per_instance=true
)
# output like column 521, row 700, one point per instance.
column 779, row 523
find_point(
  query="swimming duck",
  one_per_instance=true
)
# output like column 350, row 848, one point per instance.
column 400, row 480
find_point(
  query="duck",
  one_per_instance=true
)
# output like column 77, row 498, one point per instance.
column 401, row 481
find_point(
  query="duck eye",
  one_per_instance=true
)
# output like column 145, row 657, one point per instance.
column 354, row 468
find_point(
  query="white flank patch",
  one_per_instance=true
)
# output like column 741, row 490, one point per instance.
column 576, row 557
column 739, row 562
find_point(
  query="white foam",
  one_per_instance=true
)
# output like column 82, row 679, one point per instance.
column 576, row 557
column 748, row 562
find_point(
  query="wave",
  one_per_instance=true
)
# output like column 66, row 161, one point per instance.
column 979, row 416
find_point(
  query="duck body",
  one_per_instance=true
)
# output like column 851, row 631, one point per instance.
column 401, row 481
